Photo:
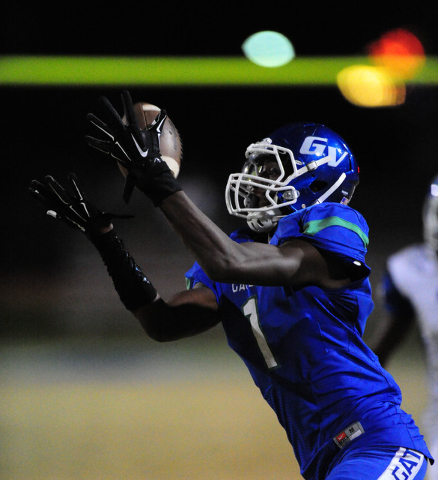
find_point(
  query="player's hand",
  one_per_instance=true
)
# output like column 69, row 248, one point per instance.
column 136, row 149
column 72, row 208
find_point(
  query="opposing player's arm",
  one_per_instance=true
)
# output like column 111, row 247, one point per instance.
column 296, row 262
column 392, row 327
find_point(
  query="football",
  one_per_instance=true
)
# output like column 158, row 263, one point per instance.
column 170, row 141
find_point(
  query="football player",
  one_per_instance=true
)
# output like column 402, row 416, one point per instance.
column 410, row 289
column 291, row 288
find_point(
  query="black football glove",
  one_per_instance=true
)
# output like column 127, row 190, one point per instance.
column 73, row 209
column 136, row 149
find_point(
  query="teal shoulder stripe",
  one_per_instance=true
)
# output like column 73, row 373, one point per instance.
column 315, row 226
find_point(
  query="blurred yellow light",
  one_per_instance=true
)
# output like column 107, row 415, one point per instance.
column 369, row 86
column 268, row 49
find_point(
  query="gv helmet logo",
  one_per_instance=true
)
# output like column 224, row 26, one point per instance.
column 317, row 146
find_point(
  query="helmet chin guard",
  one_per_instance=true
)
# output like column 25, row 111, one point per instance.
column 262, row 221
column 313, row 164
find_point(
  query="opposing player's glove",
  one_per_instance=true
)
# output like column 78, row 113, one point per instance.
column 136, row 149
column 74, row 209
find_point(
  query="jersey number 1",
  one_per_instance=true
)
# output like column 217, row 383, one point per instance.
column 251, row 312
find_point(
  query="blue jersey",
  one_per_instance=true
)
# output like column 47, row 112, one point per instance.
column 304, row 347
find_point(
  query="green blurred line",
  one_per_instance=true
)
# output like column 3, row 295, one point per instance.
column 181, row 71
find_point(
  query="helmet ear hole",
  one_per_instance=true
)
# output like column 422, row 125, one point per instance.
column 317, row 185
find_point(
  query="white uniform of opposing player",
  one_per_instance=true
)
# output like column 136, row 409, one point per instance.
column 411, row 293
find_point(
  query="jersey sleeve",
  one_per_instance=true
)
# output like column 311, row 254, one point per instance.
column 330, row 227
column 196, row 275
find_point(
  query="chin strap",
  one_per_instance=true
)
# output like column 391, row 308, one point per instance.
column 134, row 288
column 332, row 189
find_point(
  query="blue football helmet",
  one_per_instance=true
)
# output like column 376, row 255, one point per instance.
column 297, row 166
column 430, row 216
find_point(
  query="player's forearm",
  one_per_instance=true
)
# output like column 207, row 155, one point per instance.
column 166, row 322
column 389, row 334
column 221, row 258
column 181, row 317
column 211, row 247
column 134, row 288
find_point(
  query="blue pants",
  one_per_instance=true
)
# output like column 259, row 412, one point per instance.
column 380, row 464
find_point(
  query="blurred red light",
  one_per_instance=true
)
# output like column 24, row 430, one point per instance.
column 397, row 42
column 399, row 51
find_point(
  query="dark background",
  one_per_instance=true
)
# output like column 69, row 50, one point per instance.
column 48, row 269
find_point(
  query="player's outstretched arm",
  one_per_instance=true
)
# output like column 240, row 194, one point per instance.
column 185, row 315
column 294, row 263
